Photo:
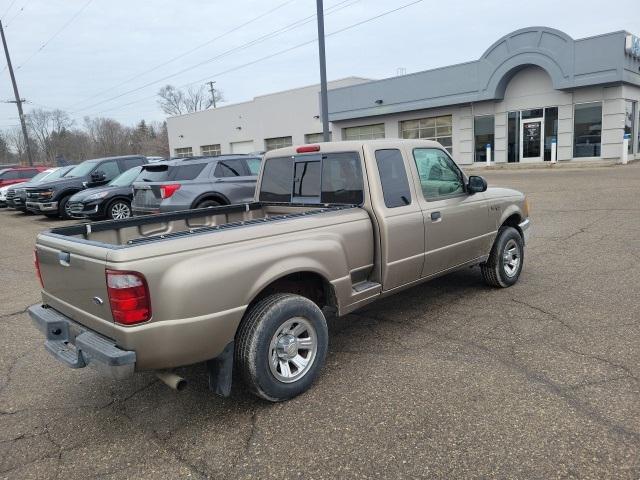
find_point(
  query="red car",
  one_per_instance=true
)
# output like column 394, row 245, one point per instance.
column 11, row 175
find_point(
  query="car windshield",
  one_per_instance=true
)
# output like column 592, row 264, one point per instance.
column 58, row 173
column 125, row 179
column 81, row 170
column 40, row 176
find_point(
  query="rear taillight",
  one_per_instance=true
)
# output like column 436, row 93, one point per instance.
column 36, row 264
column 167, row 190
column 129, row 297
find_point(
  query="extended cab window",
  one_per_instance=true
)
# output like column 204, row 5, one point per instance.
column 393, row 178
column 439, row 176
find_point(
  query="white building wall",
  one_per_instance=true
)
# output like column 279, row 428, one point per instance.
column 289, row 113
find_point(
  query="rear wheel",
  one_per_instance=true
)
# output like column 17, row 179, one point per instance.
column 119, row 210
column 208, row 203
column 64, row 212
column 281, row 345
column 503, row 267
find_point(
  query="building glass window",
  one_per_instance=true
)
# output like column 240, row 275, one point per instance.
column 364, row 132
column 629, row 120
column 513, row 137
column 483, row 131
column 277, row 142
column 210, row 150
column 315, row 137
column 435, row 128
column 550, row 130
column 184, row 152
column 587, row 129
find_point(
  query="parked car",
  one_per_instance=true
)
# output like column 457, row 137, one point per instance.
column 51, row 198
column 3, row 193
column 113, row 201
column 9, row 176
column 17, row 194
column 195, row 182
column 242, row 287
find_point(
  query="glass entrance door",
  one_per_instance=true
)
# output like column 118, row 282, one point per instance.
column 531, row 138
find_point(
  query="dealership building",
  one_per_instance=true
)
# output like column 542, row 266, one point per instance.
column 531, row 88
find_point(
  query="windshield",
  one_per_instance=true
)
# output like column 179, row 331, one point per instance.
column 81, row 170
column 59, row 173
column 40, row 176
column 125, row 179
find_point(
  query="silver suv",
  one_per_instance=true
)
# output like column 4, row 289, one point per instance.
column 195, row 182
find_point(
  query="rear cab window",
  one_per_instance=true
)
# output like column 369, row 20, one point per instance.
column 170, row 173
column 313, row 178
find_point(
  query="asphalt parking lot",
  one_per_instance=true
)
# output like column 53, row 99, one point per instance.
column 451, row 379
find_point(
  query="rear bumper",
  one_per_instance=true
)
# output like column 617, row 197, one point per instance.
column 42, row 207
column 76, row 346
column 525, row 228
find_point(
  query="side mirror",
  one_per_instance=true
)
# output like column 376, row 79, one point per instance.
column 476, row 184
column 98, row 176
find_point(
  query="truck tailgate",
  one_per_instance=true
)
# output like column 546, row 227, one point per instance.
column 73, row 273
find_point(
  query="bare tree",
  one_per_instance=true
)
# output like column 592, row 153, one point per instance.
column 46, row 126
column 108, row 136
column 174, row 101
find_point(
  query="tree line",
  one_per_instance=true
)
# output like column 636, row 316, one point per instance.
column 53, row 133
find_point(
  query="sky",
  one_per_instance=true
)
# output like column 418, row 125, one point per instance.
column 109, row 58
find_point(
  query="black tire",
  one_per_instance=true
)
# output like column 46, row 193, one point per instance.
column 112, row 212
column 254, row 345
column 498, row 272
column 62, row 211
column 208, row 203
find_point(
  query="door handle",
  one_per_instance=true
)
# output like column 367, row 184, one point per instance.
column 436, row 216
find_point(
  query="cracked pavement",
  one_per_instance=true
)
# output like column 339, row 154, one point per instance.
column 450, row 379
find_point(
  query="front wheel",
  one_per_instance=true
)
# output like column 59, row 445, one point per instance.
column 64, row 212
column 119, row 210
column 281, row 346
column 502, row 268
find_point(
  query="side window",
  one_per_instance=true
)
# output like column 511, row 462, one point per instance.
column 128, row 163
column 12, row 175
column 254, row 165
column 393, row 177
column 186, row 172
column 230, row 168
column 439, row 177
column 29, row 173
column 110, row 169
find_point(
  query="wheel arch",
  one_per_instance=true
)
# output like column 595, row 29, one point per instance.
column 217, row 196
column 512, row 219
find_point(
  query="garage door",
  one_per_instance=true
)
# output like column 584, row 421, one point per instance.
column 242, row 147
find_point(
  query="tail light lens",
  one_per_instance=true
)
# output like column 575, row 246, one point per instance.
column 36, row 264
column 129, row 297
column 167, row 190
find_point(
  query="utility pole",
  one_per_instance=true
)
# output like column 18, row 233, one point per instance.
column 18, row 99
column 324, row 104
column 213, row 93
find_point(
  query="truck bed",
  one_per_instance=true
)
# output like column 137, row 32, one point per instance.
column 164, row 226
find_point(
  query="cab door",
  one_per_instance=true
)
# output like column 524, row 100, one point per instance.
column 399, row 217
column 456, row 224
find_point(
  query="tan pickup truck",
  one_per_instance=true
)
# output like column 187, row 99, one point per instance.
column 243, row 287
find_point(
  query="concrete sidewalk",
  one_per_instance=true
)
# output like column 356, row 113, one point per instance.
column 566, row 164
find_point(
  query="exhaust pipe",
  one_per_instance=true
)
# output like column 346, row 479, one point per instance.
column 173, row 381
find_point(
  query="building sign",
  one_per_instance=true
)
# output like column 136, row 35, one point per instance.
column 632, row 46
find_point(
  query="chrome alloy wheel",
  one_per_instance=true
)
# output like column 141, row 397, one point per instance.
column 292, row 350
column 511, row 258
column 120, row 211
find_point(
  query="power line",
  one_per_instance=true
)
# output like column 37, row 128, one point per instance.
column 8, row 8
column 178, row 57
column 298, row 23
column 280, row 52
column 6, row 25
column 60, row 30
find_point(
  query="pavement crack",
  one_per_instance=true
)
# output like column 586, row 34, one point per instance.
column 12, row 314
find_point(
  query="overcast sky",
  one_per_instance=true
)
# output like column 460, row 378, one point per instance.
column 94, row 58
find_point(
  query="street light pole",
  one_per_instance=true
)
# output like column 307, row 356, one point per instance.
column 324, row 104
column 18, row 99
